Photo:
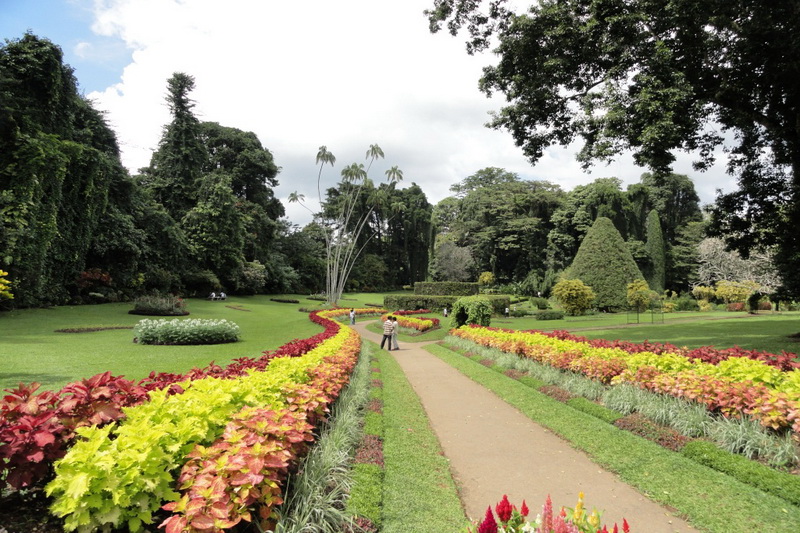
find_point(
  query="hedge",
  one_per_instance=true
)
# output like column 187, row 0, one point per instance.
column 402, row 301
column 445, row 288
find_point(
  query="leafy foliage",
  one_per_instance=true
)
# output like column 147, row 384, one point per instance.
column 446, row 288
column 471, row 310
column 574, row 296
column 187, row 331
column 605, row 264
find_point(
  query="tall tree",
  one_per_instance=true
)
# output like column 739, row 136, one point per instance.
column 58, row 160
column 651, row 77
column 176, row 167
column 345, row 223
column 504, row 220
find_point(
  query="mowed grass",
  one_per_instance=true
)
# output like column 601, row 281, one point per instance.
column 31, row 349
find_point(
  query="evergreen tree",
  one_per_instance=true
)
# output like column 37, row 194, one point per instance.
column 604, row 263
column 176, row 167
column 656, row 273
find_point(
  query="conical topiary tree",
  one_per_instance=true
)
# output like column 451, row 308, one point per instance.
column 656, row 251
column 605, row 263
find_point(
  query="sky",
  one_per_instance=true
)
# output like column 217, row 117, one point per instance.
column 303, row 74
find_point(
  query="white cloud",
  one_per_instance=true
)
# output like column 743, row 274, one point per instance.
column 344, row 74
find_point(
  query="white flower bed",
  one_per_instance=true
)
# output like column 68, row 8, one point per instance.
column 185, row 331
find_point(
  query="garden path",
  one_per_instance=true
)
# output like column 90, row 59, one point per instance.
column 494, row 449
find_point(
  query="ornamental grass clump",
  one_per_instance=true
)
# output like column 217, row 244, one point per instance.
column 185, row 332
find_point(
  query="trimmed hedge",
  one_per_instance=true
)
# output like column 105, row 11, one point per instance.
column 402, row 301
column 446, row 288
column 549, row 314
column 780, row 484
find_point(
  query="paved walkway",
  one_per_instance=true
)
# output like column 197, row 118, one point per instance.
column 522, row 459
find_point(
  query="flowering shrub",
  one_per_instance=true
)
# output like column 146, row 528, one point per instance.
column 568, row 520
column 189, row 331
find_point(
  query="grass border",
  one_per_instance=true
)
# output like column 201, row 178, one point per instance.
column 709, row 499
column 431, row 501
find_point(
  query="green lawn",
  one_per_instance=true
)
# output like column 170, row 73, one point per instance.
column 31, row 349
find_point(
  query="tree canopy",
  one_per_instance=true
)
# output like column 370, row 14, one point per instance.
column 653, row 78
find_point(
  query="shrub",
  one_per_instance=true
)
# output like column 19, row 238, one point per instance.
column 540, row 303
column 486, row 278
column 549, row 314
column 736, row 291
column 472, row 310
column 685, row 302
column 5, row 286
column 605, row 263
column 159, row 305
column 702, row 292
column 285, row 300
column 186, row 332
column 639, row 295
column 400, row 301
column 735, row 307
column 574, row 296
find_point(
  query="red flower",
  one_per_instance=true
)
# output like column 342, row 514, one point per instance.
column 524, row 511
column 488, row 525
column 625, row 527
column 503, row 509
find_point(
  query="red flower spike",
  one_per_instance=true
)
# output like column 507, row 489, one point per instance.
column 503, row 509
column 524, row 510
column 488, row 525
column 625, row 527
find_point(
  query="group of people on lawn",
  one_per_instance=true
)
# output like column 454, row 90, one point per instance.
column 215, row 296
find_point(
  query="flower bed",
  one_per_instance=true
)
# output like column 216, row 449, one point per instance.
column 567, row 520
column 143, row 454
column 185, row 332
column 37, row 428
column 732, row 382
column 419, row 324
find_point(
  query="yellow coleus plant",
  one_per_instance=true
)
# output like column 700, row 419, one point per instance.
column 5, row 286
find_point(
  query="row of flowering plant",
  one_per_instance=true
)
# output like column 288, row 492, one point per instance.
column 419, row 324
column 567, row 520
column 121, row 474
column 238, row 478
column 732, row 386
column 37, row 427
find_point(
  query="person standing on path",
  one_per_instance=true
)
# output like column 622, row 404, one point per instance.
column 352, row 317
column 388, row 328
column 395, row 327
